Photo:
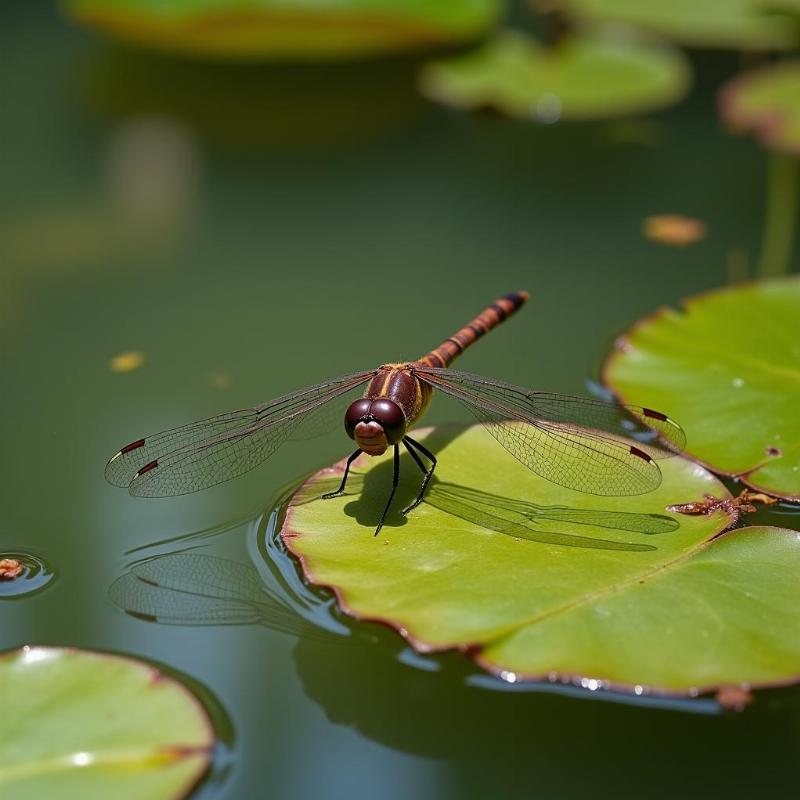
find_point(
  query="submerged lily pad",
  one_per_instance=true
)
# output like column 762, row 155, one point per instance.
column 275, row 29
column 91, row 725
column 582, row 78
column 735, row 24
column 728, row 368
column 537, row 580
column 766, row 102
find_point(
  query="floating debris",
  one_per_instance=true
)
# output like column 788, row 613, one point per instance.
column 10, row 569
column 735, row 697
column 673, row 229
column 126, row 361
column 734, row 506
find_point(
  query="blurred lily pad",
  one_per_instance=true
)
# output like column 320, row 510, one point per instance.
column 305, row 108
column 91, row 725
column 582, row 78
column 734, row 24
column 766, row 102
column 275, row 29
column 545, row 593
column 727, row 366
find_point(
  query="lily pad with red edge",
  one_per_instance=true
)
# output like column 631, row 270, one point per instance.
column 535, row 580
column 766, row 102
column 277, row 30
column 729, row 24
column 727, row 367
column 82, row 724
column 584, row 77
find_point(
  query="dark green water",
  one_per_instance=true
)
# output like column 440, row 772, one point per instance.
column 253, row 230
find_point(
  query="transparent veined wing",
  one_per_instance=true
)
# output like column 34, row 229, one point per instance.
column 576, row 442
column 205, row 453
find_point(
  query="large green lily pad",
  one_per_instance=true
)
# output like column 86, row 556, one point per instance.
column 541, row 581
column 276, row 29
column 585, row 77
column 735, row 24
column 727, row 367
column 766, row 102
column 90, row 725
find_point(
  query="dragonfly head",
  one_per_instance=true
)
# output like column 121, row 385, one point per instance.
column 375, row 424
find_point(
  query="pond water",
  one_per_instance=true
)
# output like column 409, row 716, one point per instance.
column 250, row 230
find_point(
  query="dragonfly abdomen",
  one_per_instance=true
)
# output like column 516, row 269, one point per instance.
column 489, row 318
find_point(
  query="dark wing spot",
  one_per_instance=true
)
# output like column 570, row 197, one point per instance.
column 132, row 446
column 648, row 412
column 640, row 453
column 153, row 465
column 141, row 615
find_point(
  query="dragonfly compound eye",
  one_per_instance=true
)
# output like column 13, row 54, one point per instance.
column 357, row 411
column 391, row 418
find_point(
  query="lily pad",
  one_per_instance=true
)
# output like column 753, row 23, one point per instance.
column 91, row 725
column 275, row 29
column 734, row 24
column 766, row 102
column 539, row 581
column 582, row 78
column 728, row 368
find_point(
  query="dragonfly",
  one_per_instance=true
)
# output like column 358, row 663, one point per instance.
column 586, row 444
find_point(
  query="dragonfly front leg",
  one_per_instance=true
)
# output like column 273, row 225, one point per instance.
column 340, row 490
column 428, row 473
column 395, row 480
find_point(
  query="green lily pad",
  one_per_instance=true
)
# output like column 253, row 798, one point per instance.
column 539, row 581
column 582, row 78
column 734, row 24
column 728, row 368
column 766, row 102
column 92, row 725
column 275, row 29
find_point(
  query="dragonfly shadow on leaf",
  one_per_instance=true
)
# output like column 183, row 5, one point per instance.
column 190, row 588
column 522, row 519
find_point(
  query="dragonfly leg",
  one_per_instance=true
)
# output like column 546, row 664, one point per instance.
column 340, row 490
column 428, row 473
column 395, row 479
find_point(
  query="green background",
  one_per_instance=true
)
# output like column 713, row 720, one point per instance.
column 327, row 220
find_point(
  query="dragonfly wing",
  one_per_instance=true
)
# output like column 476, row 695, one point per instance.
column 574, row 442
column 208, row 452
column 328, row 418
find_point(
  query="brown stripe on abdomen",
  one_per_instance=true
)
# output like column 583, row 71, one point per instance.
column 489, row 318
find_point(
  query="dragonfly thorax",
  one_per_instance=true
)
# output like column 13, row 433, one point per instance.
column 375, row 424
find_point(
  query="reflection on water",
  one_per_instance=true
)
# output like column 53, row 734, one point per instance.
column 191, row 588
column 186, row 587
